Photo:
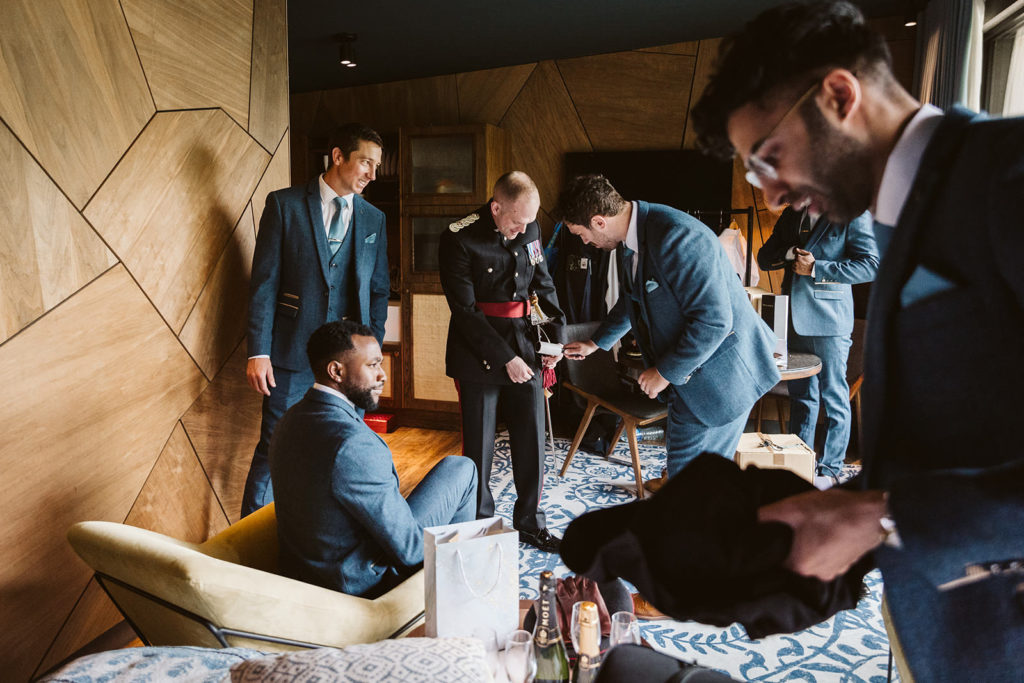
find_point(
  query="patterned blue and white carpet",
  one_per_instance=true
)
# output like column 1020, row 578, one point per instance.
column 850, row 647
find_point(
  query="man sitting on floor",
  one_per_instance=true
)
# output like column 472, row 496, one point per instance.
column 341, row 521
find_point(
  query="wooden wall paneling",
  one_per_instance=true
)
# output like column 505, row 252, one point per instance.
column 429, row 338
column 81, row 48
column 177, row 499
column 631, row 100
column 94, row 389
column 276, row 177
column 542, row 125
column 688, row 48
column 707, row 54
column 219, row 319
column 268, row 94
column 196, row 53
column 93, row 615
column 47, row 250
column 484, row 96
column 223, row 425
column 764, row 223
column 386, row 107
column 170, row 227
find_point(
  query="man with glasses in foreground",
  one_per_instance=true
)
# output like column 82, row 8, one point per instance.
column 806, row 97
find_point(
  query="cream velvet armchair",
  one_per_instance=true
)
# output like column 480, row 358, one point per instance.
column 223, row 593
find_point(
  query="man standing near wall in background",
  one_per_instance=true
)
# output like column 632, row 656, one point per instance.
column 822, row 259
column 321, row 255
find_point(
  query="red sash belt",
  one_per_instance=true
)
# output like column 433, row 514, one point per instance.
column 504, row 309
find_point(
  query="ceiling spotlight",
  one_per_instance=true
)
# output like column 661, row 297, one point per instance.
column 910, row 15
column 347, row 49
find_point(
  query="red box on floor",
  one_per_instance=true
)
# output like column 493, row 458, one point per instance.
column 379, row 422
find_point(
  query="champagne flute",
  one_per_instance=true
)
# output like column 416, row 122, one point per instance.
column 625, row 629
column 574, row 627
column 520, row 662
column 487, row 636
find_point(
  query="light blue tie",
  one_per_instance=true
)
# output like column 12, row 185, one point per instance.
column 336, row 230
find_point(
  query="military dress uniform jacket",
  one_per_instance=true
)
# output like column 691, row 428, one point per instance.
column 479, row 265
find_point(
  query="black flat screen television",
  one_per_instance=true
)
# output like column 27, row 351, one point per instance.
column 683, row 178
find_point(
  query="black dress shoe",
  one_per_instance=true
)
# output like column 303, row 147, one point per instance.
column 541, row 540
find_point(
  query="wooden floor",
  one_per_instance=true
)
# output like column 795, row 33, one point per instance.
column 416, row 450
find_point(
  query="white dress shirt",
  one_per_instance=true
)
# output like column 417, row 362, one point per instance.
column 901, row 167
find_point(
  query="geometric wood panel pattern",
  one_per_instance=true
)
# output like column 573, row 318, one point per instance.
column 485, row 95
column 688, row 48
column 96, row 380
column 47, row 250
column 268, row 101
column 170, row 227
column 122, row 380
column 171, row 490
column 542, row 126
column 196, row 53
column 631, row 100
column 707, row 55
column 80, row 50
column 276, row 177
column 223, row 425
column 93, row 615
column 217, row 322
column 430, row 316
column 386, row 106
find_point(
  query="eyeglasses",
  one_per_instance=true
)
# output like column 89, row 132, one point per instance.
column 760, row 170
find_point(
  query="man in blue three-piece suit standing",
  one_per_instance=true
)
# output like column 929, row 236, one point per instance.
column 702, row 343
column 342, row 522
column 806, row 97
column 321, row 255
column 822, row 260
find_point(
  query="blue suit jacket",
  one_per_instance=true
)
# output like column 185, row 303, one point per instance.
column 289, row 291
column 705, row 337
column 341, row 521
column 944, row 367
column 845, row 254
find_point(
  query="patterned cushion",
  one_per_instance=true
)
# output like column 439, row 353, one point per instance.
column 409, row 659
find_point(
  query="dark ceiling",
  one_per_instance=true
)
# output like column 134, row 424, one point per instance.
column 399, row 39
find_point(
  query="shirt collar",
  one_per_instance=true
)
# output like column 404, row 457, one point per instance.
column 327, row 193
column 632, row 239
column 903, row 162
column 333, row 392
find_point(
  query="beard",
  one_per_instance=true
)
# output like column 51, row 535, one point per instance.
column 361, row 396
column 841, row 166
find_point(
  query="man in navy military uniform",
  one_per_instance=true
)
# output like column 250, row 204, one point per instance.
column 702, row 343
column 321, row 255
column 491, row 261
column 822, row 259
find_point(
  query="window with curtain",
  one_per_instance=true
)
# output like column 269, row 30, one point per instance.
column 1003, row 79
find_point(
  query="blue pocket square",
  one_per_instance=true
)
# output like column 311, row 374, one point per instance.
column 650, row 285
column 922, row 284
column 371, row 239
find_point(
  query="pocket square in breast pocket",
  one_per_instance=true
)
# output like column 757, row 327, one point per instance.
column 922, row 284
column 651, row 285
column 370, row 239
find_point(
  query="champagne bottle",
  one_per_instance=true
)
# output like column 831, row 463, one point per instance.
column 548, row 648
column 588, row 659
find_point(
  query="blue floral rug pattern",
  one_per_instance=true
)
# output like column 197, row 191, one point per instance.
column 851, row 647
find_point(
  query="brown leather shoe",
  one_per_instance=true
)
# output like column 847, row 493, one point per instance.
column 653, row 485
column 645, row 610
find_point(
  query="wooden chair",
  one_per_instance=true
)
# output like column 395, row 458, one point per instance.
column 596, row 380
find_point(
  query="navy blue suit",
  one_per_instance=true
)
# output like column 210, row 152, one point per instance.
column 341, row 521
column 821, row 318
column 693, row 321
column 944, row 368
column 296, row 287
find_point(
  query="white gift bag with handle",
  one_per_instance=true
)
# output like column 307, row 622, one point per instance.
column 471, row 574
